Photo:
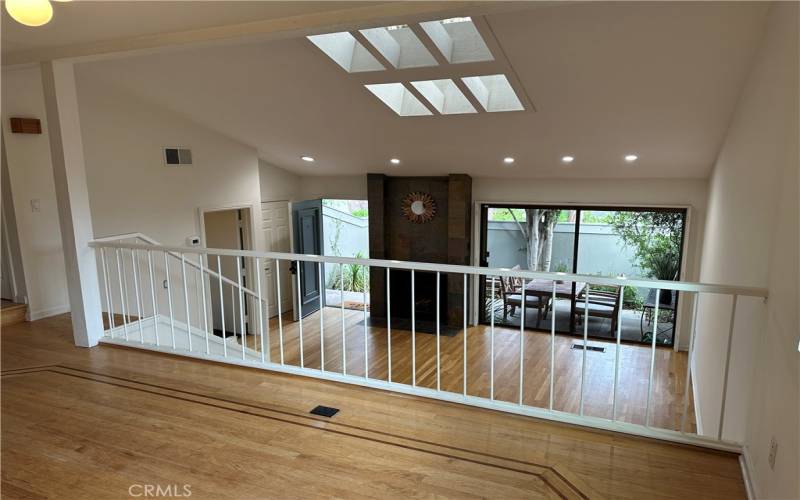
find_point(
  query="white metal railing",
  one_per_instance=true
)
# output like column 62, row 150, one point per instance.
column 156, row 328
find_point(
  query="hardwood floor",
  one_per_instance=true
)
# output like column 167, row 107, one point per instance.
column 668, row 382
column 12, row 313
column 92, row 423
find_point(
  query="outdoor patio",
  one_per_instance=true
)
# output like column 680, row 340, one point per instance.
column 633, row 323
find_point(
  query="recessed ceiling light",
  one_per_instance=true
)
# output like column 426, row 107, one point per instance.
column 631, row 158
column 395, row 161
column 508, row 160
column 567, row 159
column 307, row 158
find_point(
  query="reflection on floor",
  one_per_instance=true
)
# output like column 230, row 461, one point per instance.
column 668, row 383
column 636, row 325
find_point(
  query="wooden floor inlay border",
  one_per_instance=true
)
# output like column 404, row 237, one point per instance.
column 548, row 474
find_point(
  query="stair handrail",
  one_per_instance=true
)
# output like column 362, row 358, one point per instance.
column 151, row 241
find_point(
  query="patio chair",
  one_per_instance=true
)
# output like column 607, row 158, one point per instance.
column 512, row 298
column 602, row 304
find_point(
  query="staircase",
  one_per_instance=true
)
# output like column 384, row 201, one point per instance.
column 11, row 313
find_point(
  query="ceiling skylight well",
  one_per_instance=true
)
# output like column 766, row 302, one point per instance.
column 346, row 51
column 400, row 46
column 494, row 93
column 445, row 96
column 399, row 99
column 458, row 40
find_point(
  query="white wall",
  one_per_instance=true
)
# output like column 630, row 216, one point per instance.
column 131, row 190
column 31, row 175
column 277, row 184
column 346, row 187
column 752, row 239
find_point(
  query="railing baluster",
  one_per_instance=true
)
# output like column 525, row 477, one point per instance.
column 366, row 337
column 689, row 363
column 413, row 333
column 222, row 309
column 153, row 295
column 278, row 306
column 585, row 340
column 203, row 298
column 652, row 359
column 241, row 308
column 321, row 318
column 122, row 283
column 522, row 343
column 109, row 314
column 300, row 314
column 553, row 348
column 465, row 335
column 261, row 312
column 341, row 305
column 137, row 283
column 233, row 311
column 491, row 348
column 389, row 323
column 169, row 301
column 186, row 301
column 438, row 336
column 727, row 368
column 619, row 350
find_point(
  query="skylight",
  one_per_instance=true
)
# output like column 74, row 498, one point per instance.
column 458, row 40
column 494, row 93
column 400, row 46
column 346, row 51
column 399, row 99
column 445, row 96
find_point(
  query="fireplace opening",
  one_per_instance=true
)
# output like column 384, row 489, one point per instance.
column 424, row 299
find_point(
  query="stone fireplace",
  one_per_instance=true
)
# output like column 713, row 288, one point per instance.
column 445, row 239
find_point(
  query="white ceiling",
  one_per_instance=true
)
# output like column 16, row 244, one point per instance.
column 80, row 22
column 657, row 79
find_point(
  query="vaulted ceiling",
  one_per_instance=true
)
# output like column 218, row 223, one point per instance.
column 598, row 80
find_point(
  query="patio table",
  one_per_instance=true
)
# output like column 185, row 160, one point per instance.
column 544, row 288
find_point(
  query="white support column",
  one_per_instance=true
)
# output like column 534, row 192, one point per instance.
column 72, row 196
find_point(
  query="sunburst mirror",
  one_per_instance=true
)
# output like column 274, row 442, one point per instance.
column 419, row 208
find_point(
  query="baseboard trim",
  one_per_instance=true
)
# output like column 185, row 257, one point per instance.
column 745, row 464
column 46, row 313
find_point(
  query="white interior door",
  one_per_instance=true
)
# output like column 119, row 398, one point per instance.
column 275, row 223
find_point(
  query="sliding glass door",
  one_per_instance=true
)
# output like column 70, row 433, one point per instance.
column 603, row 241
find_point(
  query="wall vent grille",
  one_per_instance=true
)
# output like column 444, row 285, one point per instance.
column 177, row 156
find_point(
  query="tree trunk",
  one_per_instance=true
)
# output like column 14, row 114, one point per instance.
column 540, row 225
column 532, row 226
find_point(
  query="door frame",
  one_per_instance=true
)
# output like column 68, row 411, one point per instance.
column 476, row 250
column 248, row 240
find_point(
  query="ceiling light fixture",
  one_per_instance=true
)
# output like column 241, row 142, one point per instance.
column 508, row 160
column 307, row 158
column 567, row 159
column 395, row 161
column 631, row 158
column 30, row 12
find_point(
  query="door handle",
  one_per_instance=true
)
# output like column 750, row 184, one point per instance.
column 293, row 268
